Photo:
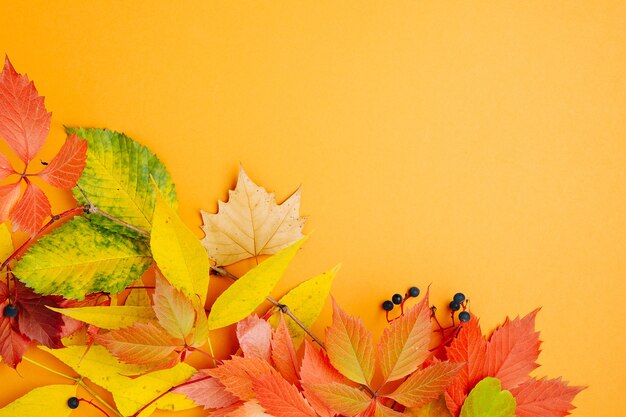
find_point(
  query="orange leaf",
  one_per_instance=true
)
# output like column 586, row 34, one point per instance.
column 512, row 351
column 544, row 398
column 5, row 167
column 341, row 398
column 24, row 121
column 65, row 168
column 141, row 343
column 279, row 398
column 350, row 347
column 425, row 385
column 207, row 391
column 236, row 375
column 255, row 335
column 8, row 197
column 173, row 309
column 32, row 209
column 248, row 409
column 381, row 410
column 284, row 353
column 404, row 345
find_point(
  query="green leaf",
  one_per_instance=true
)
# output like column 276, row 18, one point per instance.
column 245, row 294
column 306, row 302
column 49, row 401
column 80, row 258
column 487, row 399
column 177, row 251
column 109, row 317
column 117, row 178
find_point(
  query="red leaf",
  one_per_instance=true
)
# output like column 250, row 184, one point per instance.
column 544, row 398
column 65, row 168
column 24, row 121
column 12, row 343
column 5, row 167
column 284, row 353
column 279, row 398
column 31, row 210
column 8, row 197
column 468, row 347
column 512, row 351
column 254, row 335
column 208, row 391
column 35, row 320
column 236, row 375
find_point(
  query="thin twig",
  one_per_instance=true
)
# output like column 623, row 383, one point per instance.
column 34, row 362
column 99, row 398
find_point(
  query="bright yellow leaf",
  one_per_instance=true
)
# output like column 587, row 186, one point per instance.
column 245, row 294
column 109, row 317
column 49, row 401
column 6, row 244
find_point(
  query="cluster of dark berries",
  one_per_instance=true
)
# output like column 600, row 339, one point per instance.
column 458, row 302
column 397, row 299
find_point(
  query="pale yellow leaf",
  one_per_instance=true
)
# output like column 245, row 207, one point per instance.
column 178, row 252
column 251, row 223
column 245, row 294
column 49, row 401
column 174, row 311
column 138, row 296
column 6, row 244
column 109, row 317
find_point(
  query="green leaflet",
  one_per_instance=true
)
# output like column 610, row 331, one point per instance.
column 50, row 401
column 80, row 258
column 117, row 179
column 487, row 399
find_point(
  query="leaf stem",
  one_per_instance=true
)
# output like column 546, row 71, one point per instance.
column 164, row 393
column 42, row 366
column 98, row 397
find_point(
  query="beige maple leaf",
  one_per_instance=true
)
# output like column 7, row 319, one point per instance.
column 251, row 223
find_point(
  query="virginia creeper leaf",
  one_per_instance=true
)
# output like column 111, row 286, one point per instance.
column 116, row 178
column 80, row 258
column 381, row 410
column 254, row 335
column 279, row 398
column 435, row 408
column 31, row 210
column 236, row 375
column 207, row 392
column 49, row 401
column 24, row 121
column 306, row 302
column 251, row 223
column 174, row 311
column 544, row 398
column 35, row 320
column 6, row 168
column 65, row 168
column 284, row 354
column 9, row 194
column 12, row 343
column 245, row 294
column 350, row 347
column 340, row 398
column 109, row 317
column 404, row 345
column 487, row 399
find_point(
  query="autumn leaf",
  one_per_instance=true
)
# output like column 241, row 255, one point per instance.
column 200, row 334
column 381, row 410
column 31, row 210
column 404, row 345
column 254, row 336
column 9, row 194
column 435, row 408
column 248, row 409
column 251, row 224
column 340, row 398
column 236, row 375
column 206, row 391
column 284, row 354
column 65, row 168
column 49, row 401
column 109, row 317
column 279, row 398
column 35, row 320
column 544, row 398
column 306, row 302
column 487, row 399
column 512, row 351
column 174, row 311
column 13, row 344
column 6, row 168
column 138, row 296
column 6, row 242
column 350, row 347
column 245, row 294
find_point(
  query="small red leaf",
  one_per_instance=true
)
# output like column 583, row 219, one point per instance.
column 544, row 398
column 207, row 391
column 9, row 194
column 236, row 375
column 12, row 343
column 5, row 167
column 32, row 209
column 37, row 321
column 65, row 168
column 279, row 398
column 24, row 121
column 284, row 353
column 254, row 335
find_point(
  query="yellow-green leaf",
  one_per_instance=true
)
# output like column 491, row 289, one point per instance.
column 109, row 317
column 49, row 401
column 306, row 302
column 6, row 244
column 245, row 294
column 178, row 252
column 487, row 399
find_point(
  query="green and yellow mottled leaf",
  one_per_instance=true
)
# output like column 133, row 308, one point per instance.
column 487, row 399
column 178, row 252
column 109, row 317
column 116, row 178
column 49, row 401
column 6, row 244
column 80, row 258
column 245, row 294
column 306, row 302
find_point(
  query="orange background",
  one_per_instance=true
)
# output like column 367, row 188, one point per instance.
column 477, row 146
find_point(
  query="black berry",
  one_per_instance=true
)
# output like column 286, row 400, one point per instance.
column 10, row 311
column 73, row 403
column 454, row 306
column 464, row 316
column 414, row 291
column 459, row 297
column 397, row 299
column 387, row 305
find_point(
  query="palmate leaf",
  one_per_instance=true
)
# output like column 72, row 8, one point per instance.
column 117, row 178
column 80, row 258
column 49, row 401
column 279, row 398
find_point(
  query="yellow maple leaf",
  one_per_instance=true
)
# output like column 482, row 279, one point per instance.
column 251, row 223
